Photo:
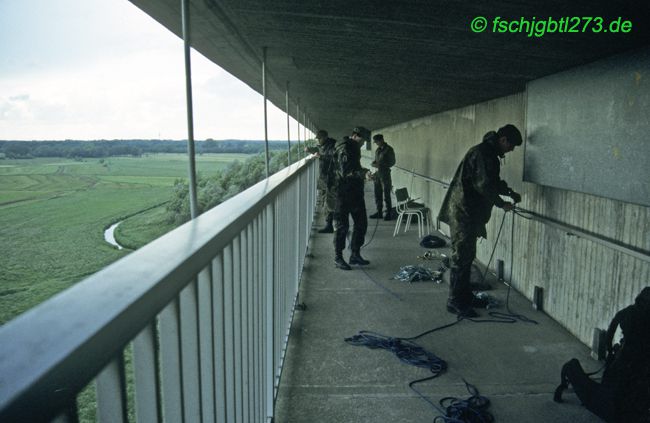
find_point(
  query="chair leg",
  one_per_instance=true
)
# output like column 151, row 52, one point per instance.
column 398, row 223
column 428, row 217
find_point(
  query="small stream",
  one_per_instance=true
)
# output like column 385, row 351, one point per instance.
column 109, row 235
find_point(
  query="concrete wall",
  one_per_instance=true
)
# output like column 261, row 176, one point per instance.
column 584, row 283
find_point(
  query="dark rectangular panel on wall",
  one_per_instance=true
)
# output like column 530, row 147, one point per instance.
column 588, row 129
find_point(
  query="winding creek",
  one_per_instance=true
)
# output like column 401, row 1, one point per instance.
column 109, row 235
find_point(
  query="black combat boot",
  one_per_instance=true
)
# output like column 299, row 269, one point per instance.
column 377, row 215
column 355, row 258
column 460, row 309
column 340, row 263
column 328, row 229
column 457, row 304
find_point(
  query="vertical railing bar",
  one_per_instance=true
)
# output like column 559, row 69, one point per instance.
column 288, row 128
column 252, row 323
column 244, row 322
column 281, row 247
column 303, row 211
column 270, row 308
column 206, row 351
column 170, row 362
column 250, row 339
column 304, row 125
column 146, row 376
column 111, row 392
column 260, row 315
column 261, row 354
column 185, row 23
column 237, row 334
column 279, row 266
column 228, row 264
column 219, row 344
column 266, row 126
column 191, row 373
column 298, row 127
column 299, row 232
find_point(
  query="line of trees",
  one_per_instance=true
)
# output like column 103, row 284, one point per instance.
column 136, row 148
column 215, row 189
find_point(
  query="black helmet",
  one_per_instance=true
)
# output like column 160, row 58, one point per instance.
column 362, row 132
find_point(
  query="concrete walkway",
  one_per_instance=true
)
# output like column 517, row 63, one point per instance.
column 516, row 366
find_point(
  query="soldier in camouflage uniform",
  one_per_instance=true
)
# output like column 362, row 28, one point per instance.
column 325, row 151
column 349, row 180
column 384, row 159
column 467, row 207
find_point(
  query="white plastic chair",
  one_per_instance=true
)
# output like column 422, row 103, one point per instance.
column 404, row 207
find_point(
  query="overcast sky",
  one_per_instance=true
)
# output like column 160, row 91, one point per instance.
column 103, row 69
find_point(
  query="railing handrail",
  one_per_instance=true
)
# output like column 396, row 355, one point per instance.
column 85, row 326
column 425, row 177
column 622, row 247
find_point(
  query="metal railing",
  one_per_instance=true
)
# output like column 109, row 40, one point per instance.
column 207, row 309
column 608, row 242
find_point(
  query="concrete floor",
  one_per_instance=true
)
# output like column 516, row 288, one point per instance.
column 517, row 366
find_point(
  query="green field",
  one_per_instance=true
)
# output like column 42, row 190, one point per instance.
column 53, row 212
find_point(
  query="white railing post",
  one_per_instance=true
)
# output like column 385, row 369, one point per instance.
column 189, row 336
column 259, row 317
column 237, row 335
column 269, row 283
column 170, row 362
column 244, row 323
column 219, row 337
column 206, row 347
column 111, row 392
column 229, row 342
column 146, row 375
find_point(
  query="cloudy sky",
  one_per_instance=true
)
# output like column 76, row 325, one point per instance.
column 103, row 69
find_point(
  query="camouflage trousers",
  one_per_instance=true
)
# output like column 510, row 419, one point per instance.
column 383, row 184
column 463, row 253
column 357, row 210
column 326, row 197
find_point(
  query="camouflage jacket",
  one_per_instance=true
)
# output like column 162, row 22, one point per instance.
column 327, row 151
column 475, row 188
column 384, row 158
column 348, row 174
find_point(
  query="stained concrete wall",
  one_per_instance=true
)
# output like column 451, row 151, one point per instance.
column 584, row 283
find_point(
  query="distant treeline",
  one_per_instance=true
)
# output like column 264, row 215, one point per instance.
column 215, row 189
column 105, row 148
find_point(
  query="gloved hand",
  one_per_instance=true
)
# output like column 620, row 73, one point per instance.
column 515, row 197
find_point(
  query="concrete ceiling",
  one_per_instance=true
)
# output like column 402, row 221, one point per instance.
column 377, row 63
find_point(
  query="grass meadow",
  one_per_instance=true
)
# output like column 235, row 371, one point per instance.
column 53, row 213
